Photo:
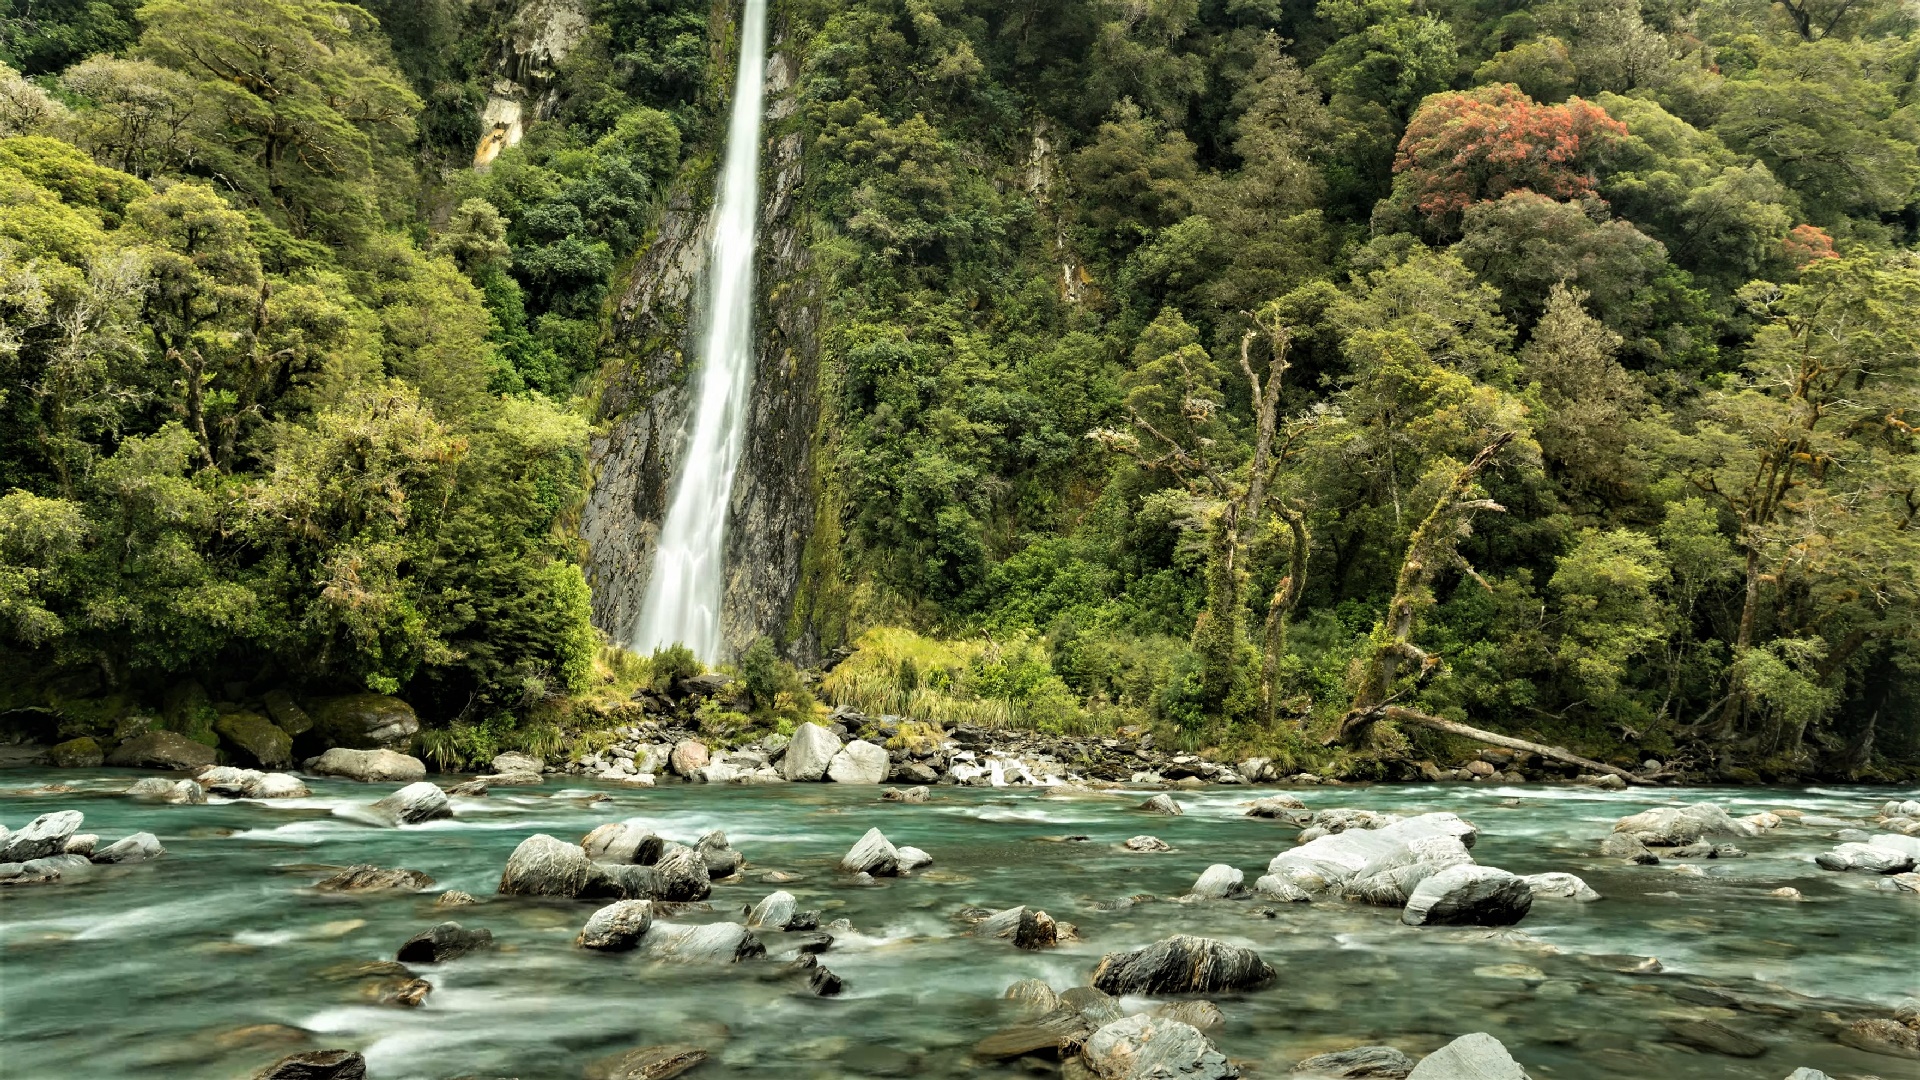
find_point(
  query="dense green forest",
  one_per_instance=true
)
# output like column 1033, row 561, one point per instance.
column 1232, row 366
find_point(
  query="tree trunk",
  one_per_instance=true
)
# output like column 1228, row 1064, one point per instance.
column 1281, row 607
column 1402, row 715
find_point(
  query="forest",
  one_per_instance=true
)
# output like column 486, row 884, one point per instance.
column 1269, row 373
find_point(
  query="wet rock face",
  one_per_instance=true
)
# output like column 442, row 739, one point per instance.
column 316, row 1065
column 1182, row 965
column 1369, row 1061
column 1146, row 1048
column 162, row 750
column 444, row 942
column 647, row 395
column 44, row 836
column 618, row 927
column 1469, row 895
column 544, row 866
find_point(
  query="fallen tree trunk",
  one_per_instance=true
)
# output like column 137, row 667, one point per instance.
column 1402, row 715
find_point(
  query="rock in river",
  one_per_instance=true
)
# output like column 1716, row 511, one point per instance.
column 1147, row 843
column 617, row 927
column 646, row 1063
column 161, row 750
column 1715, row 1038
column 1144, row 1047
column 916, row 794
column 1028, row 928
column 413, row 804
column 1275, row 806
column 371, row 766
column 1331, row 861
column 162, row 790
column 810, row 752
column 1677, row 826
column 1468, row 895
column 316, row 1065
column 713, row 943
column 1368, row 1061
column 871, row 854
column 1182, row 964
column 1162, row 804
column 1884, row 854
column 140, row 847
column 369, row 878
column 681, row 875
column 251, row 783
column 773, row 913
column 1559, row 886
column 623, row 842
column 1218, row 882
column 441, row 943
column 544, row 866
column 1470, row 1057
column 857, row 763
column 44, row 835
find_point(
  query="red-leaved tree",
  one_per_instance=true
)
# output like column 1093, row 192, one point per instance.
column 1471, row 146
column 1806, row 244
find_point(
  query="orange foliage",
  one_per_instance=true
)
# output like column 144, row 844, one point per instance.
column 1808, row 243
column 1468, row 147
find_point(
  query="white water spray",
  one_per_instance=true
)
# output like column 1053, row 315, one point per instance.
column 683, row 594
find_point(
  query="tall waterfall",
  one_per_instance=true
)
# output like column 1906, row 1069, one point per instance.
column 683, row 594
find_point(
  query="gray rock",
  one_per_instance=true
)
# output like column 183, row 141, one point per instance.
column 912, row 858
column 1145, row 1047
column 441, row 943
column 1332, row 861
column 858, row 762
column 369, row 766
column 722, row 861
column 1714, row 1037
column 1468, row 895
column 1204, row 1015
column 772, row 913
column 871, row 854
column 917, row 794
column 1218, row 882
column 713, row 943
column 80, row 844
column 413, row 804
column 619, row 881
column 622, row 842
column 1380, row 1061
column 508, row 779
column 544, row 866
column 369, row 878
column 162, row 790
column 1558, row 886
column 1028, row 928
column 316, row 1065
column 46, row 870
column 618, row 927
column 162, row 750
column 1676, row 826
column 1871, row 857
column 1162, row 804
column 1804, row 1073
column 688, row 757
column 1275, row 887
column 363, row 722
column 1147, row 843
column 681, row 875
column 44, row 835
column 1470, row 1057
column 1034, row 994
column 140, row 847
column 1391, row 878
column 1276, row 806
column 251, row 783
column 809, row 753
column 1182, row 964
column 515, row 762
column 1624, row 846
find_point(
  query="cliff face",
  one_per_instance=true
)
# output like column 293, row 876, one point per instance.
column 646, row 396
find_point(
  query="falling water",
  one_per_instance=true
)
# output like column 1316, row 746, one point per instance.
column 683, row 594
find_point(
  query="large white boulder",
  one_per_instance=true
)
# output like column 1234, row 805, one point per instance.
column 811, row 751
column 1470, row 1057
column 859, row 762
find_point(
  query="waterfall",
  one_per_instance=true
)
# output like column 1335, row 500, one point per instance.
column 683, row 594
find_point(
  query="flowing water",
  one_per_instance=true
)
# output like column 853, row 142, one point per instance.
column 220, row 957
column 682, row 603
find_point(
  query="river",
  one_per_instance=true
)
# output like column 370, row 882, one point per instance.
column 214, row 960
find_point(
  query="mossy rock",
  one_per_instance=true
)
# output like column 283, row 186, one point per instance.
column 91, row 715
column 84, row 752
column 187, row 710
column 916, row 738
column 363, row 722
column 254, row 738
column 286, row 714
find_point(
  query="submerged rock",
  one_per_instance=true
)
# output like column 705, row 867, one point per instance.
column 1560, row 886
column 1368, row 1061
column 712, row 943
column 871, row 854
column 1204, row 1015
column 618, row 927
column 1034, row 994
column 438, row 944
column 173, row 792
column 316, row 1065
column 1149, row 1048
column 1147, row 843
column 162, row 750
column 646, row 1063
column 44, row 835
column 368, row 766
column 1888, row 1037
column 1182, row 964
column 809, row 753
column 1470, row 1057
column 1162, row 804
column 138, row 848
column 544, row 866
column 413, row 804
column 1059, row 1030
column 1715, row 1038
column 369, row 878
column 917, row 794
column 1468, row 895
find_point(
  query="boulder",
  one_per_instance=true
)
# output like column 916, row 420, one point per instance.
column 1332, row 861
column 917, row 794
column 915, row 772
column 871, row 854
column 1218, row 882
column 1879, row 1036
column 316, row 1065
column 1145, row 1047
column 713, row 943
column 369, row 878
column 1060, row 1029
column 1470, row 1057
column 80, row 844
column 912, row 858
column 722, row 861
column 161, row 750
column 1370, row 1061
column 441, row 943
column 363, row 722
column 1676, row 826
column 809, row 753
column 138, row 848
column 1905, row 883
column 858, row 762
column 618, row 927
column 619, row 881
column 1162, row 804
column 1715, row 1038
column 1204, row 1015
column 622, row 842
column 43, row 836
column 508, row 779
column 251, row 783
column 1559, row 886
column 413, row 804
column 544, row 866
column 254, row 738
column 162, row 790
column 688, row 757
column 1275, row 887
column 1027, row 928
column 1468, row 895
column 454, row 898
column 681, row 875
column 45, row 870
column 772, row 913
column 1391, row 878
column 81, row 753
column 646, row 1063
column 286, row 714
column 1275, row 806
column 1621, row 845
column 515, row 762
column 1878, row 856
column 1182, row 964
column 370, row 766
column 1147, row 843
column 1034, row 994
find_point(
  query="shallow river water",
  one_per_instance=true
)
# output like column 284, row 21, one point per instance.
column 217, row 958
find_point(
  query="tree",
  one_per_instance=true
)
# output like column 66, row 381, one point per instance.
column 1133, row 178
column 1389, row 56
column 1586, row 424
column 143, row 119
column 1524, row 244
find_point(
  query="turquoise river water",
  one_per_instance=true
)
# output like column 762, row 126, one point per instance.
column 220, row 957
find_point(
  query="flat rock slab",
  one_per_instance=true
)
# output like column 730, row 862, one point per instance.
column 1470, row 1057
column 1369, row 1061
column 1145, row 1047
column 1182, row 964
column 369, row 878
column 646, row 1063
column 1468, row 895
column 316, row 1065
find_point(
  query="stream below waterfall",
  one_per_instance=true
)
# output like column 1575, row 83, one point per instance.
column 219, row 958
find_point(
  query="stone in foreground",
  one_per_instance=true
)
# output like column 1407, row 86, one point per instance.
column 316, row 1065
column 1150, row 1048
column 809, row 753
column 618, row 927
column 1468, row 895
column 45, row 835
column 1470, row 1057
column 413, row 804
column 872, row 854
column 544, row 866
column 1182, row 964
column 1368, row 1061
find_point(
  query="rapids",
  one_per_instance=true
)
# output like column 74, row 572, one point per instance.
column 215, row 959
